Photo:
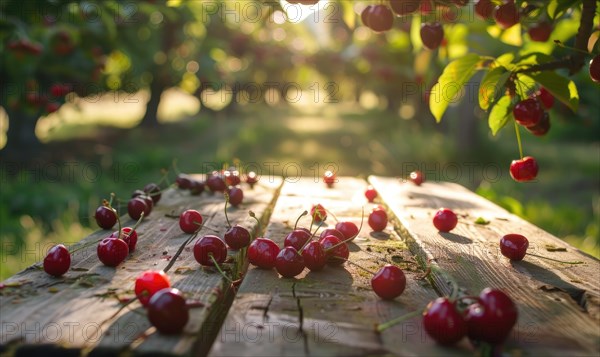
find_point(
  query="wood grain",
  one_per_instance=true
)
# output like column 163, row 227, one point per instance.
column 332, row 312
column 558, row 303
column 78, row 310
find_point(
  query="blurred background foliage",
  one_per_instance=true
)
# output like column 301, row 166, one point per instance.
column 99, row 96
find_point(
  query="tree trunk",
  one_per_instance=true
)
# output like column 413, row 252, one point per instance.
column 150, row 118
column 22, row 143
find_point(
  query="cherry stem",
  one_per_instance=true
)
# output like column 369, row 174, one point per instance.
column 175, row 168
column 226, row 202
column 555, row 260
column 384, row 326
column 219, row 268
column 333, row 215
column 519, row 140
column 89, row 244
column 309, row 239
column 136, row 223
column 298, row 219
column 165, row 176
column 181, row 247
column 356, row 265
column 258, row 229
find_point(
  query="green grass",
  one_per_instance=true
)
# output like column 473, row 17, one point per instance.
column 41, row 209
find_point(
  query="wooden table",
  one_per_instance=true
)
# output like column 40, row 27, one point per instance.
column 332, row 312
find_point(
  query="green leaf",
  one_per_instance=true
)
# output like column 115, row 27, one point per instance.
column 482, row 221
column 524, row 86
column 561, row 87
column 500, row 115
column 491, row 85
column 557, row 7
column 450, row 83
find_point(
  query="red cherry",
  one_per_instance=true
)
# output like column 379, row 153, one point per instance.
column 417, row 177
column 150, row 282
column 329, row 178
column 348, row 229
column 540, row 32
column 135, row 207
column 507, row 14
column 237, row 237
column 426, row 7
column 524, row 170
column 196, row 187
column 546, row 97
column 251, row 178
column 443, row 322
column 445, row 220
column 52, row 107
column 149, row 204
column 190, row 221
column 528, row 112
column 370, row 194
column 484, row 8
column 514, row 246
column 389, row 282
column 365, row 15
column 289, row 263
column 378, row 220
column 262, row 253
column 314, row 256
column 492, row 319
column 129, row 235
column 57, row 261
column 380, row 18
column 236, row 196
column 318, row 213
column 297, row 238
column 432, row 35
column 112, row 251
column 168, row 312
column 232, row 177
column 404, row 7
column 106, row 217
column 215, row 183
column 541, row 128
column 183, row 181
column 207, row 246
column 332, row 232
column 341, row 250
column 153, row 190
column 595, row 69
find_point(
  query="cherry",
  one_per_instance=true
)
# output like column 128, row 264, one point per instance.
column 365, row 15
column 329, row 178
column 168, row 312
column 370, row 193
column 129, row 235
column 348, row 229
column 417, row 177
column 506, row 15
column 484, row 8
column 52, row 107
column 112, row 251
column 540, row 32
column 289, row 263
column 378, row 220
column 443, row 322
column 595, row 69
column 237, row 237
column 404, row 7
column 541, row 128
column 196, row 187
column 153, row 191
column 297, row 239
column 314, row 256
column 251, row 178
column 190, row 221
column 150, row 282
column 445, row 220
column 236, row 196
column 528, row 112
column 524, row 170
column 432, row 35
column 183, row 181
column 318, row 213
column 389, row 282
column 491, row 319
column 262, row 253
column 340, row 251
column 208, row 246
column 426, row 7
column 216, row 183
column 514, row 246
column 138, row 193
column 232, row 177
column 135, row 207
column 149, row 204
column 57, row 261
column 380, row 18
column 546, row 97
column 332, row 232
column 106, row 217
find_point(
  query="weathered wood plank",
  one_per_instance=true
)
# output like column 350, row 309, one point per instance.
column 332, row 312
column 77, row 310
column 558, row 303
